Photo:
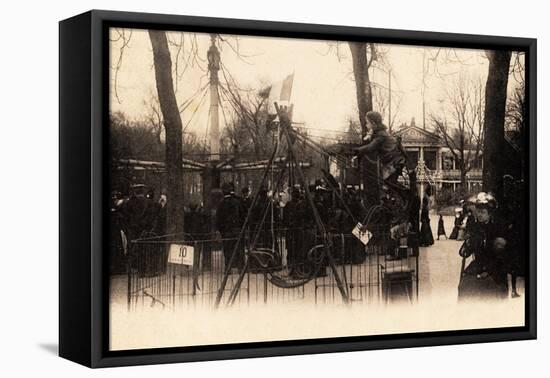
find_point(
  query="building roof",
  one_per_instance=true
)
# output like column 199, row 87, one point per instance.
column 416, row 136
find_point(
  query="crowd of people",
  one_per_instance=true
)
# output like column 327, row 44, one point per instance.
column 288, row 217
column 493, row 235
column 275, row 217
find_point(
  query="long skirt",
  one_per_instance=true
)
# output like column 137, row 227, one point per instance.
column 454, row 233
column 473, row 288
column 426, row 236
column 441, row 228
column 230, row 246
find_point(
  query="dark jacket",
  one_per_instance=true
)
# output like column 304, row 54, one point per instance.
column 383, row 144
column 229, row 215
column 479, row 241
column 159, row 222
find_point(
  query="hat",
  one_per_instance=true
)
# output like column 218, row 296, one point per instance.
column 471, row 200
column 227, row 187
column 485, row 200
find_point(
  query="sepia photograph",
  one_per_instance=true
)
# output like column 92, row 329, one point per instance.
column 274, row 189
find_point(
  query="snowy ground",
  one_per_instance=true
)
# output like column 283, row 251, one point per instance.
column 293, row 314
column 440, row 264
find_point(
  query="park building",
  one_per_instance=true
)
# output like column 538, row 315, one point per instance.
column 434, row 161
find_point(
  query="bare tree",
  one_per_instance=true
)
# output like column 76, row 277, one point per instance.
column 250, row 119
column 382, row 104
column 516, row 107
column 154, row 116
column 494, row 117
column 173, row 128
column 363, row 89
column 463, row 135
column 123, row 37
column 516, row 110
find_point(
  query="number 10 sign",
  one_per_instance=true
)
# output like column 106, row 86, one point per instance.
column 181, row 254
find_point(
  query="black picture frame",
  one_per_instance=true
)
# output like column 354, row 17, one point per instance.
column 83, row 116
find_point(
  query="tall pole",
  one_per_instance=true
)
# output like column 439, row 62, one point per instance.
column 213, row 68
column 211, row 177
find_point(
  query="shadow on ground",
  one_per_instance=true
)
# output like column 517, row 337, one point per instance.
column 51, row 348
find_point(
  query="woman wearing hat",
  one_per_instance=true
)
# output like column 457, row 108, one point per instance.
column 486, row 276
column 459, row 218
column 426, row 235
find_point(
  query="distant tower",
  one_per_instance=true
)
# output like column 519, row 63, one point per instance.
column 213, row 68
column 413, row 123
column 211, row 178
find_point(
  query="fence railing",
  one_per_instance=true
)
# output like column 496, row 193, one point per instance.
column 287, row 265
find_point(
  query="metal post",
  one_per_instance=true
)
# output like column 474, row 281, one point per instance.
column 129, row 273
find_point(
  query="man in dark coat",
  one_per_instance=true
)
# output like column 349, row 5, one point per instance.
column 245, row 199
column 139, row 213
column 513, row 219
column 159, row 222
column 118, row 240
column 228, row 222
column 158, row 229
column 293, row 220
column 261, row 219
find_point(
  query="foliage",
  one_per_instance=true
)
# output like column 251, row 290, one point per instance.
column 516, row 115
column 133, row 139
column 139, row 139
column 462, row 133
column 448, row 197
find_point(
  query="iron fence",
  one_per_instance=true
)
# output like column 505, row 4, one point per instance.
column 287, row 265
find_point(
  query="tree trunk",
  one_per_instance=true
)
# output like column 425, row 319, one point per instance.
column 369, row 170
column 495, row 109
column 173, row 128
column 362, row 82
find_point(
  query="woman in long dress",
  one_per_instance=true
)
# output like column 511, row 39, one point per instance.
column 426, row 236
column 441, row 227
column 485, row 277
column 459, row 217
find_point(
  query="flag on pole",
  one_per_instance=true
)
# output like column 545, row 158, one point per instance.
column 286, row 88
column 281, row 92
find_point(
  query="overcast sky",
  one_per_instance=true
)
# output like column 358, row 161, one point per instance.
column 323, row 93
